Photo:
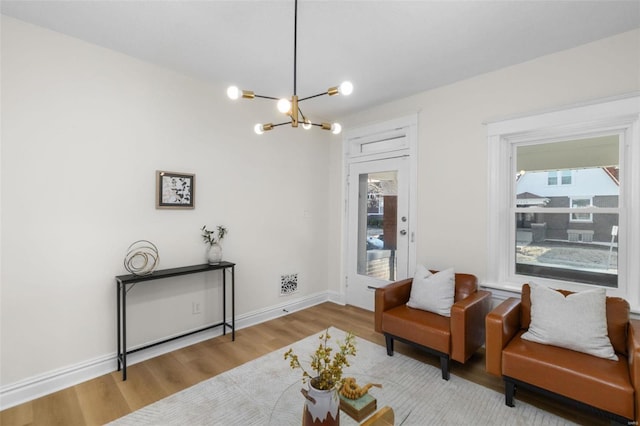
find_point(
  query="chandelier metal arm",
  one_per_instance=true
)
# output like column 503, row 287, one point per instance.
column 304, row 117
column 266, row 97
column 313, row 96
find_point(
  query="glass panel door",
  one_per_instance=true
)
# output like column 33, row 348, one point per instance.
column 379, row 234
column 378, row 224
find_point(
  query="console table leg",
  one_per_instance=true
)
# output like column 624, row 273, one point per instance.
column 233, row 303
column 224, row 302
column 118, row 324
column 124, row 332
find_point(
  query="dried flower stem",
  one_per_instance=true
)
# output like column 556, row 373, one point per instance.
column 327, row 371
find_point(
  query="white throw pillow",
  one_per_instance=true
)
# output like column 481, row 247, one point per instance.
column 577, row 321
column 433, row 292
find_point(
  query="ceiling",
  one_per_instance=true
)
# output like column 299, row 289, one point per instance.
column 388, row 49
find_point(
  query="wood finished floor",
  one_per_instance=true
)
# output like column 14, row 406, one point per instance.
column 106, row 398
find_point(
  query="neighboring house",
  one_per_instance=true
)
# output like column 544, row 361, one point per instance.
column 575, row 189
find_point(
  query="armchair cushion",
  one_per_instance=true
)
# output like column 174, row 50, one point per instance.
column 433, row 292
column 598, row 382
column 419, row 326
column 576, row 321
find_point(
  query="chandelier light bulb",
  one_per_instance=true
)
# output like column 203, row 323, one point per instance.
column 307, row 124
column 233, row 92
column 259, row 129
column 346, row 88
column 284, row 105
column 336, row 128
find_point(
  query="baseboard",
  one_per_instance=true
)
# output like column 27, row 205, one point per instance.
column 44, row 384
column 337, row 298
column 53, row 381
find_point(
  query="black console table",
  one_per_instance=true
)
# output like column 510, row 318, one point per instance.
column 123, row 281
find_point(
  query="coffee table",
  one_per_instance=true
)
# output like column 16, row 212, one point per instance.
column 288, row 409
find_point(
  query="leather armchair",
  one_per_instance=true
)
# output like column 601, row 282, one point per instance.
column 607, row 387
column 456, row 337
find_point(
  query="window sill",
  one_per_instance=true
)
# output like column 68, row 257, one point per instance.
column 501, row 292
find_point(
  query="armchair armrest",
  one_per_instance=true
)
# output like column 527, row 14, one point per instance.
column 633, row 349
column 501, row 325
column 390, row 296
column 467, row 324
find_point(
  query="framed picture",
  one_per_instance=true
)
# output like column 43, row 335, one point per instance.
column 175, row 190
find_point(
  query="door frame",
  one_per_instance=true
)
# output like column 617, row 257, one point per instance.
column 389, row 139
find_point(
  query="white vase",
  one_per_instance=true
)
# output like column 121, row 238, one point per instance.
column 214, row 255
column 321, row 407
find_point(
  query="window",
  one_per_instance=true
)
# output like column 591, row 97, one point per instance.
column 581, row 203
column 554, row 244
column 565, row 177
column 569, row 218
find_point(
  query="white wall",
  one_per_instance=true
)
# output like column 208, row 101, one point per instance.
column 83, row 131
column 452, row 145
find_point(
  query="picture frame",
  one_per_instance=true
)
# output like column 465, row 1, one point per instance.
column 175, row 190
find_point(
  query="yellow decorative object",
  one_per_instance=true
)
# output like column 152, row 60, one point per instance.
column 351, row 390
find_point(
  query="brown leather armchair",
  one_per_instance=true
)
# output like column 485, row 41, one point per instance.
column 607, row 387
column 456, row 337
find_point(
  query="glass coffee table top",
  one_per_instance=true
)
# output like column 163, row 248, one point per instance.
column 289, row 407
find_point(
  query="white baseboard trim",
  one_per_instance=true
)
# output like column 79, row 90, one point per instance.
column 337, row 298
column 53, row 381
column 44, row 384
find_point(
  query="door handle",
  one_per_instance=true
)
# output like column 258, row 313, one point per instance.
column 403, row 232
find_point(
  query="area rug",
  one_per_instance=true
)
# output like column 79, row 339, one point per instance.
column 265, row 391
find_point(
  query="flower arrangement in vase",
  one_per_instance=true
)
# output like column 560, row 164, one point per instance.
column 324, row 377
column 214, row 253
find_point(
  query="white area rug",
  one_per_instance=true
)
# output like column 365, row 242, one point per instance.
column 265, row 391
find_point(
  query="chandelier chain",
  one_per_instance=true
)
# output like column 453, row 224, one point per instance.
column 295, row 48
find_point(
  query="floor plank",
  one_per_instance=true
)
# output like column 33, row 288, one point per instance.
column 61, row 408
column 106, row 398
column 141, row 387
column 22, row 415
column 92, row 395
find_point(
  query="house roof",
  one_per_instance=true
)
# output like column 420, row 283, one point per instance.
column 613, row 173
column 529, row 199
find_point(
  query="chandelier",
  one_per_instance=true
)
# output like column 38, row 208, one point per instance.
column 291, row 107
